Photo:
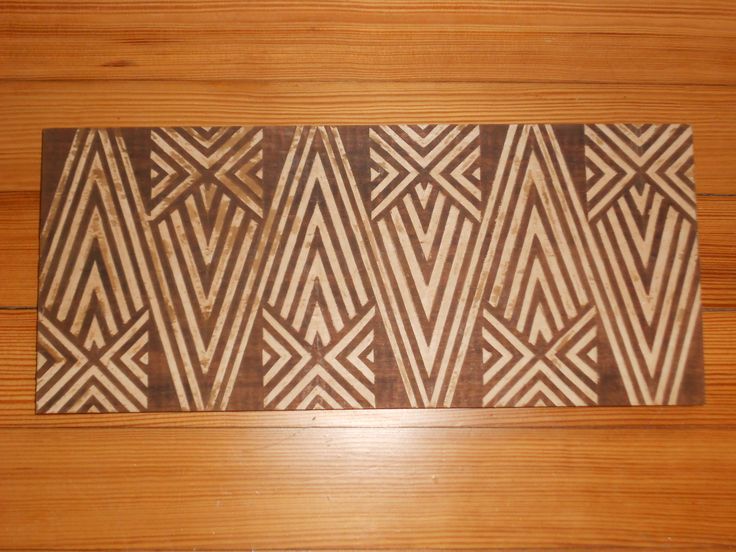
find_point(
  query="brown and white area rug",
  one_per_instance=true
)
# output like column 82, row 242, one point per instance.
column 259, row 268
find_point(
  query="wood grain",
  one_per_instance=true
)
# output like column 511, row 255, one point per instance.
column 25, row 110
column 366, row 488
column 595, row 479
column 17, row 384
column 600, row 41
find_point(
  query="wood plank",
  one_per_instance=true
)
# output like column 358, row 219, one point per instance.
column 717, row 235
column 17, row 383
column 563, row 40
column 28, row 107
column 604, row 16
column 19, row 249
column 366, row 488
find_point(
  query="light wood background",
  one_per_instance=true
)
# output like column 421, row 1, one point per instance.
column 591, row 479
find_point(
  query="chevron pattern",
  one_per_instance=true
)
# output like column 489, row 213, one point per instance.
column 204, row 216
column 423, row 265
column 539, row 301
column 426, row 200
column 93, row 317
column 641, row 198
column 319, row 310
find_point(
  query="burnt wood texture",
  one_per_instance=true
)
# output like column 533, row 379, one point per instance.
column 262, row 268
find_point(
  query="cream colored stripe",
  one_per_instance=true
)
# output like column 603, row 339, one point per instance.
column 287, row 185
column 192, row 174
column 58, row 359
column 126, row 383
column 380, row 160
column 336, row 218
column 285, row 382
column 232, row 329
column 600, row 285
column 602, row 182
column 498, row 348
column 359, row 217
column 398, row 187
column 684, row 311
column 68, row 373
column 662, row 273
column 426, row 238
column 431, row 155
column 356, row 384
column 282, row 360
column 409, row 309
column 286, row 336
column 317, row 273
column 582, row 364
column 428, row 291
column 141, row 342
column 208, row 246
column 494, row 393
column 165, row 329
column 318, row 392
column 317, row 223
column 644, row 244
column 122, row 340
column 95, row 229
column 430, row 137
column 230, row 160
column 676, row 183
column 314, row 372
column 258, row 278
column 95, row 392
column 537, row 388
column 621, row 182
column 652, row 355
column 499, row 183
column 619, row 318
column 354, row 357
column 687, row 343
column 516, row 384
column 457, row 280
column 62, row 198
column 79, row 383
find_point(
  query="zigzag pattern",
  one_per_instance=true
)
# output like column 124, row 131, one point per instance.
column 642, row 214
column 625, row 159
column 92, row 319
column 304, row 374
column 519, row 373
column 113, row 378
column 538, row 317
column 426, row 203
column 204, row 218
column 424, row 157
column 318, row 327
column 241, row 268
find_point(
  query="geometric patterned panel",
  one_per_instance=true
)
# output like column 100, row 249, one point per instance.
column 93, row 316
column 641, row 210
column 539, row 315
column 426, row 200
column 202, row 218
column 318, row 307
column 317, row 267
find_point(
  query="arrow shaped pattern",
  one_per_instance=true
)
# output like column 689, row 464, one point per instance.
column 422, row 265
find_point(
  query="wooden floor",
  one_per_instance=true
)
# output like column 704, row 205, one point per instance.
column 591, row 479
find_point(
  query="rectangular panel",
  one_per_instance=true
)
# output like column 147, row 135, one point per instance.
column 427, row 265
